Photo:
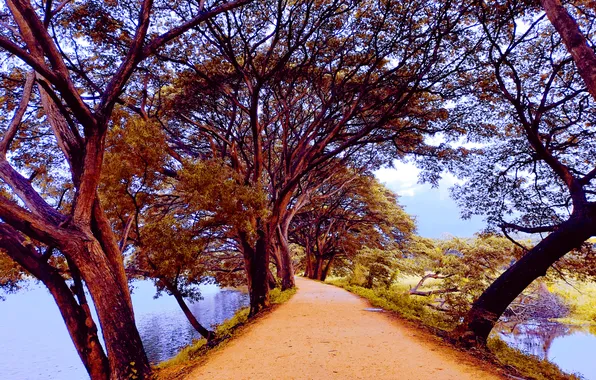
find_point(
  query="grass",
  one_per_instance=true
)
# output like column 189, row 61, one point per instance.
column 191, row 355
column 397, row 300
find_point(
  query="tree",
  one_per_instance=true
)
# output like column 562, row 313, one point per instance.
column 174, row 223
column 348, row 213
column 79, row 57
column 535, row 175
column 461, row 269
column 285, row 87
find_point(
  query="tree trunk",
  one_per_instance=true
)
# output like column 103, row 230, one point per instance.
column 287, row 272
column 309, row 267
column 77, row 317
column 126, row 355
column 271, row 280
column 317, row 272
column 276, row 255
column 489, row 307
column 327, row 268
column 209, row 335
column 256, row 261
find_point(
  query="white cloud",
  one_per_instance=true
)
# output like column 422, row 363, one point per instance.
column 402, row 178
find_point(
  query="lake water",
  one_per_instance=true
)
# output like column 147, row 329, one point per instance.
column 35, row 345
column 570, row 347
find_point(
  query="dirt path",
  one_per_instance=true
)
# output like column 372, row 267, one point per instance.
column 323, row 332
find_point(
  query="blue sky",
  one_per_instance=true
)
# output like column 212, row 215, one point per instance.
column 437, row 215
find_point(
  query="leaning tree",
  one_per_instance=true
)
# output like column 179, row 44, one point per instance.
column 69, row 64
column 535, row 173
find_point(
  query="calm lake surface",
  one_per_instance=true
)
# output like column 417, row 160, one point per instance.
column 35, row 345
column 572, row 348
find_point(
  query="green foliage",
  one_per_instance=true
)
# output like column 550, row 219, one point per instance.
column 528, row 366
column 358, row 275
column 212, row 186
column 351, row 219
column 277, row 296
column 191, row 352
column 228, row 326
column 379, row 266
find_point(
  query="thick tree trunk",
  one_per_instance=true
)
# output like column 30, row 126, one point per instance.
column 317, row 268
column 126, row 355
column 256, row 261
column 209, row 335
column 489, row 307
column 77, row 317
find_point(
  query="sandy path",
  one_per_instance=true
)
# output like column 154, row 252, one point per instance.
column 323, row 332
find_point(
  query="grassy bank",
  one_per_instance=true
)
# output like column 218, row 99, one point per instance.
column 193, row 354
column 396, row 299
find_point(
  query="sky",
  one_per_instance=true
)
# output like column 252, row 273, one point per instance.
column 437, row 215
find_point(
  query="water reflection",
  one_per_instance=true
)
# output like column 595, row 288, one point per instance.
column 35, row 345
column 570, row 347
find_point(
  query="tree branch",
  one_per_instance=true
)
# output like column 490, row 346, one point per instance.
column 163, row 39
column 18, row 115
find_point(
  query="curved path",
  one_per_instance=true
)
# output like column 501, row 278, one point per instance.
column 324, row 332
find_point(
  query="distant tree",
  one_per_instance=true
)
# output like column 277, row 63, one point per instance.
column 535, row 173
column 346, row 214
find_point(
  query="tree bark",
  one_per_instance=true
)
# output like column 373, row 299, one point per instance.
column 327, row 268
column 256, row 261
column 317, row 268
column 271, row 280
column 575, row 42
column 285, row 256
column 209, row 335
column 77, row 317
column 308, row 271
column 126, row 355
column 489, row 307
